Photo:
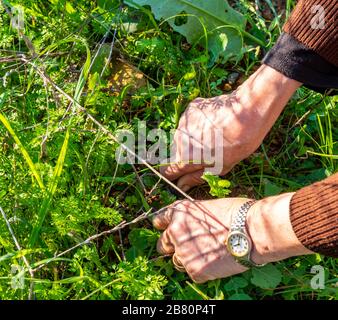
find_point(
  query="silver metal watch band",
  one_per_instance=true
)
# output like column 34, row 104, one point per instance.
column 239, row 224
column 240, row 219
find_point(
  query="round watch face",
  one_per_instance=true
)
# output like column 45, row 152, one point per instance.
column 238, row 245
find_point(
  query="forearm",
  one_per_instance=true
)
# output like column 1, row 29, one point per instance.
column 267, row 92
column 261, row 99
column 271, row 230
column 294, row 224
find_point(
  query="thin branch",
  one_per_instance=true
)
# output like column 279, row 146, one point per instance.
column 298, row 122
column 138, row 176
column 107, row 132
column 119, row 227
column 153, row 189
column 9, row 59
column 121, row 244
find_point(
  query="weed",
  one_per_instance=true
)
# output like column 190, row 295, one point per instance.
column 60, row 183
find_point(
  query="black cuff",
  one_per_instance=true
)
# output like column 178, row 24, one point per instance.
column 298, row 62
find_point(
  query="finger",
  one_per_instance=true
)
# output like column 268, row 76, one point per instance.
column 180, row 163
column 176, row 170
column 198, row 279
column 164, row 244
column 190, row 180
column 163, row 219
column 178, row 264
column 193, row 179
column 177, row 261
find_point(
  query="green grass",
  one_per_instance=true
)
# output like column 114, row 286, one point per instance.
column 59, row 181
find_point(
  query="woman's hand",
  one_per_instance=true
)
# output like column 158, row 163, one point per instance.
column 213, row 133
column 196, row 233
column 221, row 131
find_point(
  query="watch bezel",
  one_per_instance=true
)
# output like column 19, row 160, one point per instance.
column 229, row 247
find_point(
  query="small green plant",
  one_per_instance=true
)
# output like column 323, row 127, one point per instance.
column 61, row 188
column 218, row 187
column 215, row 25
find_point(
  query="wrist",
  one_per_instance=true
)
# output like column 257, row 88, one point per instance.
column 267, row 89
column 271, row 232
column 257, row 104
column 260, row 101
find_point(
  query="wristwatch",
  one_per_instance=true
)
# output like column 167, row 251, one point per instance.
column 238, row 241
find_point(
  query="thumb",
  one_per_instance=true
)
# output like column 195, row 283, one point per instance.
column 176, row 170
column 162, row 220
column 190, row 180
column 193, row 179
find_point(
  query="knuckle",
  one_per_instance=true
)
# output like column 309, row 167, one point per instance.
column 198, row 100
column 157, row 222
column 175, row 228
column 188, row 206
column 180, row 206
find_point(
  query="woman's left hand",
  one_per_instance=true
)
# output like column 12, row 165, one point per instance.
column 196, row 235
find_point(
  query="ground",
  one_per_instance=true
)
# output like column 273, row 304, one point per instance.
column 59, row 181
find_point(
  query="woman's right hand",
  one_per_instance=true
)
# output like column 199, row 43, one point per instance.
column 215, row 134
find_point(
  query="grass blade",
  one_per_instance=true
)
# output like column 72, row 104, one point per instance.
column 23, row 150
column 51, row 191
column 59, row 166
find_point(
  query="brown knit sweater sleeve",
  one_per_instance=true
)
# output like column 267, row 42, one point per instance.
column 314, row 216
column 314, row 23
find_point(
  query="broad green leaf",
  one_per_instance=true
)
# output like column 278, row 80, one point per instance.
column 93, row 79
column 226, row 44
column 271, row 189
column 235, row 283
column 84, row 73
column 267, row 277
column 101, row 59
column 213, row 24
column 240, row 296
column 142, row 238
